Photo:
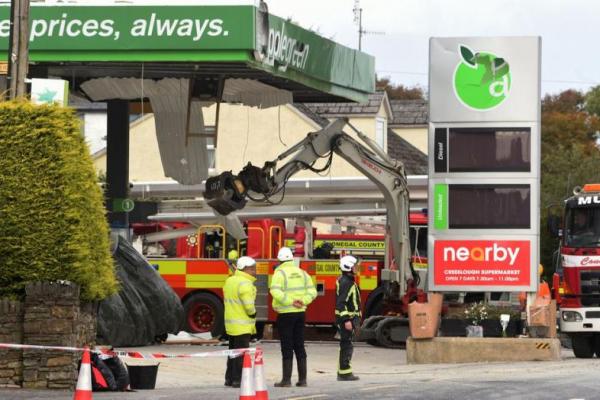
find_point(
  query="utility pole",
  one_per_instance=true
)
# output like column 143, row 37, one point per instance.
column 11, row 65
column 18, row 56
column 358, row 20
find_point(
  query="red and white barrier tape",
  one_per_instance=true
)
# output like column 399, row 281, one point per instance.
column 133, row 354
column 140, row 355
column 35, row 347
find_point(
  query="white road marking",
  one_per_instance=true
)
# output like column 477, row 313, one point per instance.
column 314, row 396
column 378, row 387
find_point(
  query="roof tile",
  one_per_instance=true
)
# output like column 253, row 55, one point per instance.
column 371, row 107
column 415, row 161
column 409, row 112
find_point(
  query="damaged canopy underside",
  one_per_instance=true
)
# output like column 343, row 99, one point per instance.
column 181, row 133
column 179, row 56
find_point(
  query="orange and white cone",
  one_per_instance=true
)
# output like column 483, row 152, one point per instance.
column 247, row 384
column 83, row 391
column 259, row 376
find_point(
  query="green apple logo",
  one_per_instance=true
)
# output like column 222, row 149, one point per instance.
column 481, row 79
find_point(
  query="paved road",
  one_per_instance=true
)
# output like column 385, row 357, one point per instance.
column 384, row 375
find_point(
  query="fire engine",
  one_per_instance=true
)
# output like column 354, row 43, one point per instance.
column 578, row 292
column 193, row 261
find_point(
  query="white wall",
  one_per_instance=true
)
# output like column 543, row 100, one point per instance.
column 94, row 129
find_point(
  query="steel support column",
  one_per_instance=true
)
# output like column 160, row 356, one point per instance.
column 117, row 162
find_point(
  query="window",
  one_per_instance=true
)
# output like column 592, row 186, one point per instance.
column 380, row 131
column 583, row 227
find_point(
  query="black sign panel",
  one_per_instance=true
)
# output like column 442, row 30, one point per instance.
column 489, row 149
column 489, row 206
column 440, row 150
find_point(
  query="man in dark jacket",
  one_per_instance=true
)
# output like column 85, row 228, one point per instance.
column 347, row 315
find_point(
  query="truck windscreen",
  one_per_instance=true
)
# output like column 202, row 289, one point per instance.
column 582, row 227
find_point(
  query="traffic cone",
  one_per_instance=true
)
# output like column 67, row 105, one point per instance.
column 259, row 376
column 83, row 391
column 247, row 384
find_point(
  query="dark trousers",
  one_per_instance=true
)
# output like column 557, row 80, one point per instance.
column 291, row 335
column 346, row 348
column 234, row 365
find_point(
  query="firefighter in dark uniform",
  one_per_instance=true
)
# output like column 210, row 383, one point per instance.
column 347, row 315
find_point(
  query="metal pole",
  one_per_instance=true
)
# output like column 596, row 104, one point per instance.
column 13, row 46
column 18, row 54
column 360, row 29
column 8, row 57
column 23, row 49
column 117, row 164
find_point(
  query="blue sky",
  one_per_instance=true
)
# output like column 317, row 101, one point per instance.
column 569, row 30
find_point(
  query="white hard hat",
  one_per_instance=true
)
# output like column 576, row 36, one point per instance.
column 244, row 262
column 285, row 254
column 347, row 263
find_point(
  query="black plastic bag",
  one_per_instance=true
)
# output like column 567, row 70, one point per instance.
column 102, row 376
column 119, row 371
column 145, row 308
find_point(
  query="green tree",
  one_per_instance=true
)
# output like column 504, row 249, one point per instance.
column 52, row 219
column 592, row 101
column 563, row 168
column 569, row 129
column 399, row 91
column 569, row 101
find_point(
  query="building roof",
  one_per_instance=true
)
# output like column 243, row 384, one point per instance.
column 409, row 112
column 415, row 161
column 310, row 114
column 371, row 107
column 402, row 112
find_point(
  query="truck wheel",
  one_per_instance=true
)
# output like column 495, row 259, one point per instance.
column 392, row 332
column 582, row 346
column 367, row 330
column 204, row 312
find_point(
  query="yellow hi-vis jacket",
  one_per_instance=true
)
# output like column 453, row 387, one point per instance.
column 290, row 283
column 239, row 294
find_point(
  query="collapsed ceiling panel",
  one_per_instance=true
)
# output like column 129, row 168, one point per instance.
column 255, row 94
column 178, row 120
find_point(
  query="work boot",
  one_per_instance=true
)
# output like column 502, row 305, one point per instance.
column 235, row 384
column 347, row 377
column 286, row 380
column 301, row 372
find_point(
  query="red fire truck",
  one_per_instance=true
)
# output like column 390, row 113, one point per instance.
column 578, row 292
column 195, row 265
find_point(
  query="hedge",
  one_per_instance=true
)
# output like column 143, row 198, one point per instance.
column 52, row 219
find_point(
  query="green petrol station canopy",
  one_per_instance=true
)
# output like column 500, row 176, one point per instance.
column 203, row 42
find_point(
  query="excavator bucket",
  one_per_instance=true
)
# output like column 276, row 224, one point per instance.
column 224, row 193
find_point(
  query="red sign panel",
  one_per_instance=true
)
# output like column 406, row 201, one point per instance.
column 482, row 263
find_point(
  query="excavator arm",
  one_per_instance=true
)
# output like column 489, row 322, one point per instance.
column 227, row 192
